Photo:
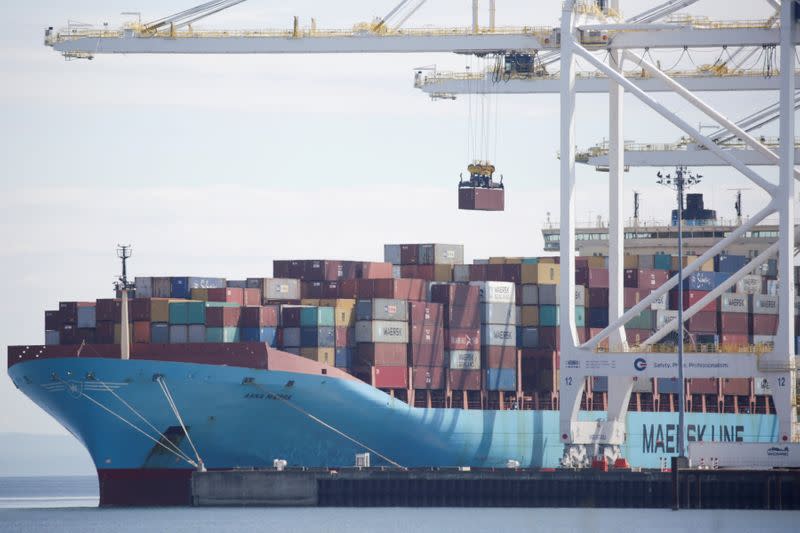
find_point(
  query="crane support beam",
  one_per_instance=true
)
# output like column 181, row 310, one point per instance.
column 465, row 83
column 664, row 156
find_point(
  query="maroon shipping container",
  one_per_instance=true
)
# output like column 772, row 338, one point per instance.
column 733, row 323
column 465, row 379
column 457, row 317
column 703, row 386
column 86, row 335
column 704, row 322
column 69, row 332
column 409, row 254
column 373, row 270
column 280, row 269
column 402, row 289
column 596, row 297
column 422, row 334
column 426, row 354
column 252, row 297
column 52, row 320
column 103, row 333
column 349, row 269
column 499, row 356
column 630, row 278
column 69, row 311
column 290, row 317
column 224, row 317
column 344, row 337
column 765, row 324
column 348, row 288
column 311, row 289
column 512, row 273
column 690, row 298
column 139, row 309
column 736, row 386
column 382, row 354
column 633, row 296
column 582, row 275
column 227, row 294
column 457, row 294
column 256, row 316
column 463, row 339
column 109, row 309
column 494, row 273
column 391, row 377
column 539, row 359
column 409, row 271
column 549, row 338
column 478, row 199
column 637, row 336
column 427, row 377
column 330, row 289
column 478, row 272
column 598, row 278
column 650, row 279
column 734, row 339
column 425, row 314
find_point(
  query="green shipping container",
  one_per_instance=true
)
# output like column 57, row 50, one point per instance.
column 580, row 316
column 196, row 312
column 178, row 313
column 548, row 316
column 530, row 260
column 222, row 334
column 662, row 262
column 646, row 320
column 316, row 317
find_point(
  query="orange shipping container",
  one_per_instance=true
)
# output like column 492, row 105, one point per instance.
column 141, row 332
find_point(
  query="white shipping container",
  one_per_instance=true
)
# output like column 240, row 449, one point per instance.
column 205, row 283
column 768, row 340
column 162, row 287
column 517, row 314
column 381, row 331
column 751, row 284
column 281, row 289
column 498, row 335
column 580, row 296
column 465, row 359
column 764, row 304
column 530, row 295
column 734, row 303
column 659, row 303
column 382, row 309
column 664, row 317
column 144, row 287
column 461, row 273
column 504, row 314
column 391, row 253
column 441, row 254
column 496, row 292
column 52, row 337
column 291, row 337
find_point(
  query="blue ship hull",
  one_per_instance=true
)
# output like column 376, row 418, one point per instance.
column 244, row 418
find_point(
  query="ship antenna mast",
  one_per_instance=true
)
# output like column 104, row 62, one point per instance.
column 124, row 252
column 738, row 204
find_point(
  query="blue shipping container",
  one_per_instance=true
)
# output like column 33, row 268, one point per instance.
column 600, row 384
column 324, row 337
column 700, row 281
column 267, row 335
column 504, row 379
column 668, row 386
column 159, row 333
column 179, row 287
column 344, row 357
column 222, row 335
column 178, row 313
column 729, row 263
column 662, row 262
column 597, row 317
column 316, row 316
column 548, row 316
column 527, row 337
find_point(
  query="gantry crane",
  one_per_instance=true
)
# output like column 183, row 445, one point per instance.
column 587, row 28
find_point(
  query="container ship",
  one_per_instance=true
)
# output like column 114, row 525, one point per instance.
column 420, row 360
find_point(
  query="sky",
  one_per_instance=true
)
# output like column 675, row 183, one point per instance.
column 216, row 165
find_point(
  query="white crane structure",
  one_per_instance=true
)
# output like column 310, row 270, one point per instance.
column 602, row 39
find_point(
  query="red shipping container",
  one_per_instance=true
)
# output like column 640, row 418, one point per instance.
column 734, row 339
column 227, row 294
column 372, row 270
column 365, row 289
column 403, row 289
column 426, row 354
column 408, row 271
column 499, row 356
column 582, row 274
column 630, row 278
column 425, row 313
column 637, row 336
column 391, row 377
column 141, row 332
column 478, row 272
column 382, row 354
column 703, row 386
column 52, row 320
column 290, row 317
column 690, row 298
column 426, row 272
column 736, row 386
column 704, row 322
column 422, row 334
column 139, row 309
column 344, row 337
column 427, row 377
column 539, row 359
column 457, row 317
column 256, row 316
column 348, row 288
column 109, row 309
column 463, row 339
column 103, row 333
column 224, row 317
column 733, row 323
column 465, row 379
column 650, row 279
column 481, row 199
column 765, row 324
column 596, row 297
column 598, row 278
column 456, row 294
column 349, row 269
column 549, row 338
column 252, row 297
column 409, row 254
column 633, row 296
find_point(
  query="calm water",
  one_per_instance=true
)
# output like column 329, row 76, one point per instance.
column 67, row 504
